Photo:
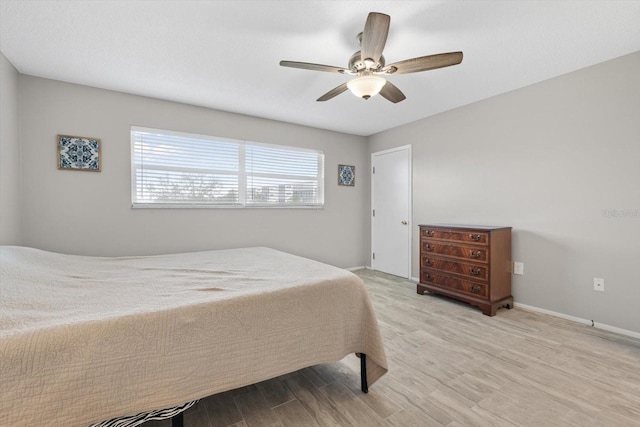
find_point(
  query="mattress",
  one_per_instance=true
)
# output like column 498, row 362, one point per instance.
column 85, row 339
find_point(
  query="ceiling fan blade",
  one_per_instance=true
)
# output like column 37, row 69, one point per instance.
column 392, row 93
column 424, row 63
column 374, row 36
column 314, row 67
column 333, row 92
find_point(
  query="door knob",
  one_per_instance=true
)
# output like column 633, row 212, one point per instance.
column 404, row 222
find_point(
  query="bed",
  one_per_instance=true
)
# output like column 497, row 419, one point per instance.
column 88, row 339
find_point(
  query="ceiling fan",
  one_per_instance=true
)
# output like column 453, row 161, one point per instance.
column 368, row 64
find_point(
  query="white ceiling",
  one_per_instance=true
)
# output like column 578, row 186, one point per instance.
column 225, row 54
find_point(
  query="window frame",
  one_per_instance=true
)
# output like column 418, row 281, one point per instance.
column 242, row 175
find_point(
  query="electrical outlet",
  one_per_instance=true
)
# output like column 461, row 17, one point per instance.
column 518, row 268
column 598, row 284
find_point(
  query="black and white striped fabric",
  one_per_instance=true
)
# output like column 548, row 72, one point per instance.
column 136, row 420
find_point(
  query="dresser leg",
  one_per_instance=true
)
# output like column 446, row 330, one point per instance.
column 489, row 310
column 508, row 303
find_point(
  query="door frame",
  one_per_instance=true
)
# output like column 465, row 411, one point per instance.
column 409, row 207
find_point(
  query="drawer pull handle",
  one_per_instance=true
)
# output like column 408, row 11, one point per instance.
column 429, row 233
column 428, row 248
column 428, row 262
column 474, row 271
column 475, row 254
column 429, row 277
column 474, row 237
column 475, row 289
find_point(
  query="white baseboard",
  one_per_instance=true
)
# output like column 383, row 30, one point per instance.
column 357, row 268
column 580, row 320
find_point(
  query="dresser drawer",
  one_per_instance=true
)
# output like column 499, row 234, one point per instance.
column 430, row 277
column 473, row 271
column 471, row 253
column 477, row 237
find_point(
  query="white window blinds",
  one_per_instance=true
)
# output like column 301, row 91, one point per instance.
column 172, row 169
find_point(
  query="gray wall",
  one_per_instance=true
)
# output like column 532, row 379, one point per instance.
column 10, row 201
column 551, row 160
column 90, row 213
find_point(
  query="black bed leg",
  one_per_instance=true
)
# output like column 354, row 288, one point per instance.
column 177, row 420
column 363, row 373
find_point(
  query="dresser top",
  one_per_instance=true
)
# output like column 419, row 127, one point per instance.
column 466, row 226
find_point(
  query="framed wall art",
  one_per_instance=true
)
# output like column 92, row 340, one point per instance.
column 346, row 175
column 79, row 153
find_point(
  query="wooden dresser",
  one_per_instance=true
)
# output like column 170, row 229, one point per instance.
column 469, row 263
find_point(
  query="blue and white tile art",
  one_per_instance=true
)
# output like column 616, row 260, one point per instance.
column 346, row 175
column 79, row 153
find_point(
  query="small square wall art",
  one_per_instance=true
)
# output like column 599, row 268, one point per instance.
column 346, row 175
column 79, row 153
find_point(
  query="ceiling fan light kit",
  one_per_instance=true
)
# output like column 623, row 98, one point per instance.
column 366, row 85
column 368, row 64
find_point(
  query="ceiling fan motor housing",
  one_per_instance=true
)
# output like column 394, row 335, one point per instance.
column 356, row 64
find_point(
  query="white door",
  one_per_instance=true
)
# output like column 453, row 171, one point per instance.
column 391, row 211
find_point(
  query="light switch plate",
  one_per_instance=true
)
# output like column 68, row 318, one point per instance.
column 518, row 268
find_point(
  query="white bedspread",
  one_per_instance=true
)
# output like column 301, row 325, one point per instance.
column 83, row 339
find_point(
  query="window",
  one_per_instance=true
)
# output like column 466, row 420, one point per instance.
column 174, row 169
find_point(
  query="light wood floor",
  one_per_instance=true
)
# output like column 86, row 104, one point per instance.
column 451, row 366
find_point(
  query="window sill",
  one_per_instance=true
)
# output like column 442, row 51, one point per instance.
column 202, row 206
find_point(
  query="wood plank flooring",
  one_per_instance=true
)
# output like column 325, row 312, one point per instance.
column 450, row 366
